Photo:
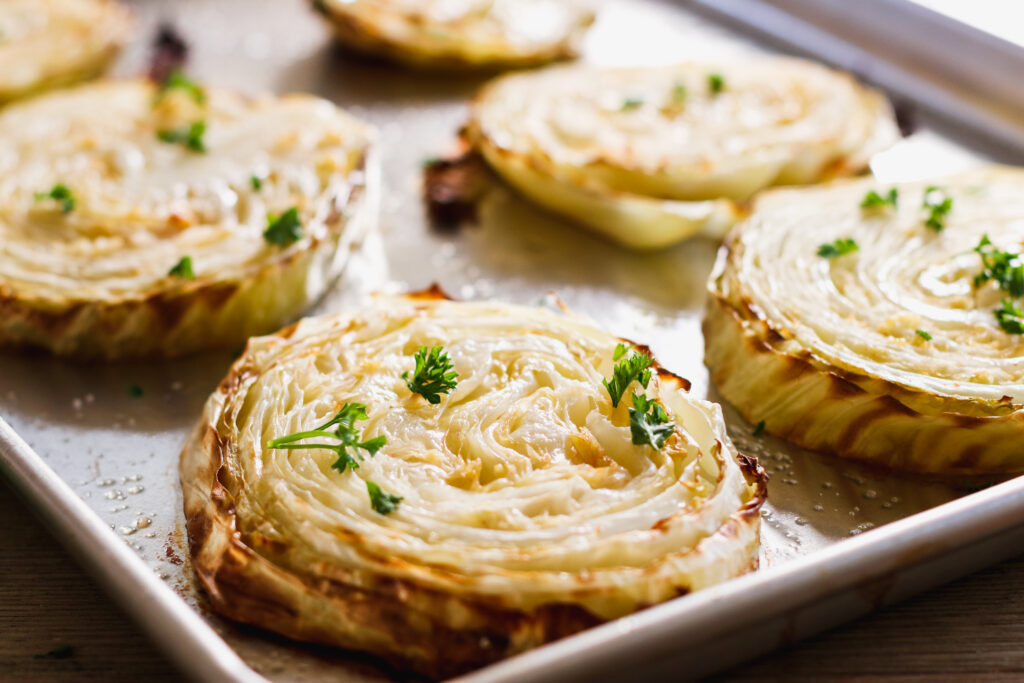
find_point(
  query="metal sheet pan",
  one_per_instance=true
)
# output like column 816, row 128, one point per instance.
column 101, row 464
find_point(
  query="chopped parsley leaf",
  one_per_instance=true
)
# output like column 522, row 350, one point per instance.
column 1004, row 268
column 1010, row 317
column 632, row 103
column 433, row 375
column 716, row 83
column 840, row 247
column 183, row 269
column 256, row 182
column 284, row 229
column 177, row 80
column 649, row 423
column 135, row 390
column 637, row 366
column 759, row 429
column 923, row 335
column 678, row 94
column 60, row 193
column 382, row 502
column 190, row 137
column 938, row 204
column 873, row 200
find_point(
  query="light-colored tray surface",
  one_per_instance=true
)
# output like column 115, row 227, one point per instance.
column 119, row 452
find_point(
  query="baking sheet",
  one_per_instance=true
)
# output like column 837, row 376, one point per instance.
column 119, row 451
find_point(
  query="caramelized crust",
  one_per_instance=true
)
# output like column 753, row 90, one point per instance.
column 433, row 587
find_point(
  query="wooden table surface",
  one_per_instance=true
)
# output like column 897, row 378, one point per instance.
column 56, row 625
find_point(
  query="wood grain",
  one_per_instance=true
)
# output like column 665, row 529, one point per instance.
column 971, row 630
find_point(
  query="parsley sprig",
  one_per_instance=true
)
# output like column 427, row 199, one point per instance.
column 649, row 423
column 1002, row 267
column 434, row 374
column 874, row 200
column 284, row 229
column 177, row 80
column 637, row 366
column 183, row 269
column 383, row 503
column 61, row 194
column 938, row 204
column 190, row 137
column 1006, row 269
column 344, row 431
column 840, row 247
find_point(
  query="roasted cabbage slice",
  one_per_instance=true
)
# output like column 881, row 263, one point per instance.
column 48, row 43
column 138, row 221
column 651, row 156
column 460, row 33
column 876, row 322
column 479, row 520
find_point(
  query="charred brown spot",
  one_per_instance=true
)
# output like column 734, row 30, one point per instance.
column 169, row 309
column 964, row 421
column 431, row 293
column 198, row 528
column 884, row 407
column 970, row 457
column 215, row 296
column 794, row 368
column 452, row 188
column 842, row 388
column 663, row 523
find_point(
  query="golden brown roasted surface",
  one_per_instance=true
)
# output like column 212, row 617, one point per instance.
column 527, row 512
column 49, row 43
column 461, row 34
column 97, row 211
column 650, row 156
column 891, row 353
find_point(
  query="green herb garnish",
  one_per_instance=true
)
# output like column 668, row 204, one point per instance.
column 256, row 182
column 183, row 269
column 1002, row 267
column 923, row 335
column 433, row 375
column 59, row 193
column 840, row 247
column 190, row 136
column 345, row 432
column 873, row 200
column 382, row 502
column 635, row 367
column 284, row 229
column 631, row 104
column 678, row 94
column 135, row 390
column 1010, row 318
column 649, row 423
column 177, row 80
column 716, row 83
column 938, row 204
column 759, row 429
